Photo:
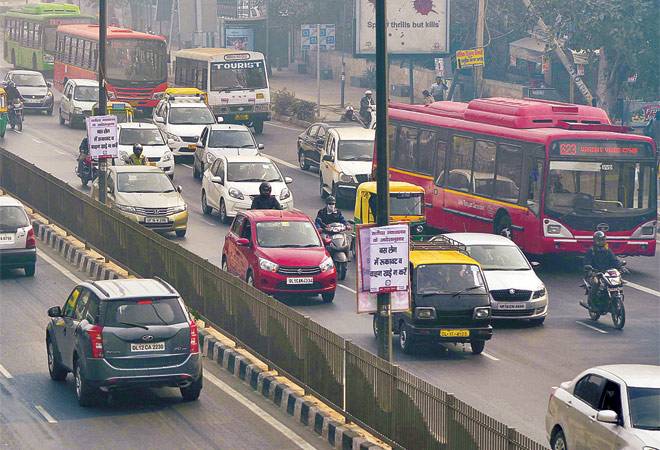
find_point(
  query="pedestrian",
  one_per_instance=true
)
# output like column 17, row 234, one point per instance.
column 428, row 98
column 438, row 89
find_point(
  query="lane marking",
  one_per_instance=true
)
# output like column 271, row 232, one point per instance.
column 209, row 223
column 290, row 165
column 17, row 132
column 45, row 414
column 347, row 288
column 639, row 287
column 254, row 408
column 489, row 356
column 284, row 127
column 187, row 165
column 60, row 152
column 5, row 373
column 66, row 272
column 37, row 140
column 592, row 327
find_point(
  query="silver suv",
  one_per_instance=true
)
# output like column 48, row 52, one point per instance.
column 119, row 334
column 18, row 247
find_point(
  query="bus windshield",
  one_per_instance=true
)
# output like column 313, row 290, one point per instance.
column 228, row 76
column 137, row 60
column 601, row 188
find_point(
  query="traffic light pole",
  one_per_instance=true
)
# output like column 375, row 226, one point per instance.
column 384, row 316
column 103, row 99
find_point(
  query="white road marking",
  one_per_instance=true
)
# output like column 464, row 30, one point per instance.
column 284, row 127
column 639, row 287
column 37, row 140
column 66, row 272
column 489, row 356
column 208, row 222
column 589, row 326
column 254, row 408
column 60, row 152
column 290, row 165
column 187, row 165
column 347, row 288
column 16, row 131
column 5, row 373
column 45, row 414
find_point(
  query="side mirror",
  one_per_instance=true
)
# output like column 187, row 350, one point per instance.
column 288, row 180
column 109, row 190
column 535, row 264
column 328, row 158
column 327, row 240
column 55, row 311
column 179, row 189
column 352, row 222
column 588, row 268
column 159, row 119
column 217, row 179
column 607, row 416
column 320, row 141
column 623, row 262
column 242, row 242
column 49, row 84
column 260, row 146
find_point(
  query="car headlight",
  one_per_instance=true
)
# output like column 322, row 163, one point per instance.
column 267, row 265
column 167, row 156
column 210, row 157
column 538, row 294
column 49, row 94
column 285, row 193
column 77, row 110
column 326, row 264
column 425, row 313
column 645, row 231
column 233, row 192
column 126, row 208
column 174, row 137
column 646, row 447
column 345, row 178
column 481, row 313
column 552, row 228
column 178, row 209
column 419, row 229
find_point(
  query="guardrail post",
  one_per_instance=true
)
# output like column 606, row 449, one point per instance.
column 449, row 420
column 511, row 443
column 343, row 379
column 305, row 355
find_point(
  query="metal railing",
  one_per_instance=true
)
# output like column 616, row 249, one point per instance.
column 402, row 409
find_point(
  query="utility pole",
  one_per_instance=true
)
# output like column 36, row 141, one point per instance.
column 342, row 84
column 103, row 99
column 384, row 315
column 411, row 80
column 481, row 25
column 318, row 70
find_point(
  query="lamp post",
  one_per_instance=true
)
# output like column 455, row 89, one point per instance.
column 103, row 99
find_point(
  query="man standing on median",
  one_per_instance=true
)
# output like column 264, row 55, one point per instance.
column 438, row 89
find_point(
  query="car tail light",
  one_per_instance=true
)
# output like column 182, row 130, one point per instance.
column 30, row 242
column 194, row 337
column 95, row 334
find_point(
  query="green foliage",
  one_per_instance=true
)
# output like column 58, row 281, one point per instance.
column 285, row 103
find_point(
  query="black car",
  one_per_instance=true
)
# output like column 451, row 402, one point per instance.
column 312, row 140
column 127, row 333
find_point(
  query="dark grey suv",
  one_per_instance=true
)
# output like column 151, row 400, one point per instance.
column 119, row 334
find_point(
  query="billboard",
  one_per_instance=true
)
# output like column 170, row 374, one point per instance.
column 239, row 38
column 414, row 27
column 308, row 38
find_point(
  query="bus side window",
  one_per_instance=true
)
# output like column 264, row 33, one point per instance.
column 535, row 183
column 483, row 175
column 460, row 163
column 509, row 173
column 440, row 156
column 425, row 152
column 404, row 156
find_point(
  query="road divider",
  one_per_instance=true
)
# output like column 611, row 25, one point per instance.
column 5, row 373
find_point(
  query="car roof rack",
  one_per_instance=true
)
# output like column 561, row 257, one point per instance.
column 166, row 284
column 439, row 242
column 97, row 286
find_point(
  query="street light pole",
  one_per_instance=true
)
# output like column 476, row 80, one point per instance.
column 479, row 71
column 318, row 70
column 384, row 316
column 103, row 99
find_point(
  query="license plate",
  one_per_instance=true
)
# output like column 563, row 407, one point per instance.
column 7, row 238
column 241, row 117
column 511, row 306
column 156, row 220
column 300, row 280
column 148, row 347
column 455, row 333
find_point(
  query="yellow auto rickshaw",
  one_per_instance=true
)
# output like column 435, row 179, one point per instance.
column 124, row 111
column 406, row 205
column 174, row 92
column 4, row 112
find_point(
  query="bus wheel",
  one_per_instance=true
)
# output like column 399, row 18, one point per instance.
column 502, row 225
column 258, row 126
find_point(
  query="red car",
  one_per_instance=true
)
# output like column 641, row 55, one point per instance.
column 279, row 252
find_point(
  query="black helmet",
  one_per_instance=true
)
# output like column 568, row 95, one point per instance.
column 265, row 189
column 137, row 149
column 600, row 239
column 330, row 200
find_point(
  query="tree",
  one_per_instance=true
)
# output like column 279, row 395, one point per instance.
column 621, row 35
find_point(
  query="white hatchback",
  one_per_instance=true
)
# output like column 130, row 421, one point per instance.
column 231, row 183
column 154, row 147
column 18, row 247
column 614, row 407
column 516, row 291
column 223, row 139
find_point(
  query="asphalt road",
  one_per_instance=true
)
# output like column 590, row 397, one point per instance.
column 36, row 412
column 510, row 381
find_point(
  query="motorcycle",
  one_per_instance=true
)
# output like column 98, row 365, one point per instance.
column 608, row 297
column 338, row 244
column 16, row 115
column 87, row 170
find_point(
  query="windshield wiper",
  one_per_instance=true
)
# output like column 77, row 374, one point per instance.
column 246, row 180
column 427, row 293
column 158, row 315
column 139, row 325
column 298, row 246
column 471, row 288
column 245, row 146
column 274, row 180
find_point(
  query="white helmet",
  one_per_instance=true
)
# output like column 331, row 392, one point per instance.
column 368, row 92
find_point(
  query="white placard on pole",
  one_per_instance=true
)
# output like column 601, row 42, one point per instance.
column 102, row 136
column 439, row 67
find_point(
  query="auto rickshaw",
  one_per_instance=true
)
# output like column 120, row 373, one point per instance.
column 172, row 93
column 4, row 112
column 406, row 205
column 124, row 111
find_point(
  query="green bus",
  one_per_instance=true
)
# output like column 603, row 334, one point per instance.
column 29, row 41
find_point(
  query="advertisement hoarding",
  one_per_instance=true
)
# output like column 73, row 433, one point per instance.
column 308, row 38
column 238, row 38
column 102, row 136
column 414, row 27
column 470, row 58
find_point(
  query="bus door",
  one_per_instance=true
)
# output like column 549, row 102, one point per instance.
column 435, row 195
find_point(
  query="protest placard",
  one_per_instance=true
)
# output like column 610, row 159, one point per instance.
column 102, row 136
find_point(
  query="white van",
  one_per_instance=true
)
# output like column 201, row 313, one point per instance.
column 78, row 98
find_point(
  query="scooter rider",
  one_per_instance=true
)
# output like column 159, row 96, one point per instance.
column 600, row 258
column 365, row 104
column 83, row 152
column 12, row 92
column 137, row 158
column 264, row 200
column 329, row 214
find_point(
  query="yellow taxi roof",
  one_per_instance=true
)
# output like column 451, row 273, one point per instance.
column 395, row 186
column 426, row 257
column 183, row 91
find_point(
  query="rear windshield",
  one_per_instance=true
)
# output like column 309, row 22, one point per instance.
column 12, row 217
column 146, row 311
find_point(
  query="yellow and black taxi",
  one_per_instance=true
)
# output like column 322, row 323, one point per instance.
column 449, row 298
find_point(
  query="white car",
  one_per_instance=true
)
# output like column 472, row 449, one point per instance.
column 231, row 183
column 182, row 120
column 223, row 140
column 615, row 407
column 153, row 144
column 78, row 98
column 18, row 247
column 516, row 291
column 345, row 161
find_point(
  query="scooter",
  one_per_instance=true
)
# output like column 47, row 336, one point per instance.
column 16, row 115
column 87, row 170
column 338, row 244
column 608, row 298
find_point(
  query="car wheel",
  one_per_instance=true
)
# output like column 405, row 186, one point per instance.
column 191, row 393
column 503, row 226
column 249, row 279
column 196, row 173
column 558, row 441
column 328, row 297
column 224, row 218
column 181, row 233
column 206, row 209
column 29, row 270
column 84, row 393
column 477, row 347
column 321, row 188
column 61, row 118
column 55, row 369
column 302, row 161
column 406, row 339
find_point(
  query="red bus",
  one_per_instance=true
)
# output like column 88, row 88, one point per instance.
column 546, row 174
column 136, row 63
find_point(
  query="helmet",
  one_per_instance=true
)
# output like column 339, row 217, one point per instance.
column 600, row 239
column 264, row 188
column 368, row 92
column 330, row 200
column 137, row 149
column 349, row 108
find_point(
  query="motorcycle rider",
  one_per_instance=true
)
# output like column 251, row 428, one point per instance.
column 329, row 214
column 137, row 158
column 264, row 200
column 83, row 152
column 365, row 104
column 600, row 258
column 12, row 95
column 350, row 116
